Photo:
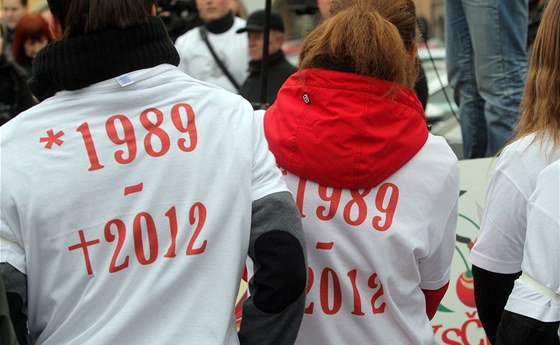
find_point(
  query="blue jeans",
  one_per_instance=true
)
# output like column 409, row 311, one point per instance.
column 486, row 56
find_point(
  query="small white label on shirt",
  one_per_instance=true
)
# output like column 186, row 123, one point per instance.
column 125, row 80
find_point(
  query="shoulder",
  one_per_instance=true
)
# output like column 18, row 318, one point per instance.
column 187, row 38
column 548, row 188
column 439, row 150
column 19, row 70
column 239, row 23
column 441, row 159
column 525, row 158
column 14, row 70
column 438, row 161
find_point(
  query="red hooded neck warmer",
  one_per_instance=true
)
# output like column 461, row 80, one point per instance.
column 344, row 130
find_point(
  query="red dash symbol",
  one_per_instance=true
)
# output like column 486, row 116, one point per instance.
column 324, row 245
column 133, row 189
column 52, row 138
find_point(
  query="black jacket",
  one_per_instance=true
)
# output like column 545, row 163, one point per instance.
column 14, row 94
column 279, row 69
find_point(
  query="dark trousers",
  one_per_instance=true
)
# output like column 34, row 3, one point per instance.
column 516, row 329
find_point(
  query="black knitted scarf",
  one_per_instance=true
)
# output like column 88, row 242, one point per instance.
column 77, row 62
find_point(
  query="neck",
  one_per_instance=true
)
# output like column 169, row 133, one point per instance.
column 221, row 25
column 78, row 62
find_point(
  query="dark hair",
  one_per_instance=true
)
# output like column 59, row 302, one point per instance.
column 78, row 17
column 32, row 26
column 374, row 38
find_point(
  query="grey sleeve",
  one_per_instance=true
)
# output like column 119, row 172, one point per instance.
column 15, row 284
column 274, row 310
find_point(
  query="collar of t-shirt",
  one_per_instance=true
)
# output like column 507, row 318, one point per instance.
column 102, row 55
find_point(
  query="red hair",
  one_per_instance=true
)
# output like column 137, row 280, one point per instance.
column 31, row 26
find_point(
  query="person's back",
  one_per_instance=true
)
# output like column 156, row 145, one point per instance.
column 371, row 251
column 131, row 203
column 377, row 193
column 533, row 308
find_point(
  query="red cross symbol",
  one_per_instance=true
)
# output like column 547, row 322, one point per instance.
column 84, row 246
column 52, row 138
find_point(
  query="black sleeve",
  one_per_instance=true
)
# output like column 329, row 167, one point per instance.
column 273, row 311
column 25, row 98
column 491, row 292
column 16, row 294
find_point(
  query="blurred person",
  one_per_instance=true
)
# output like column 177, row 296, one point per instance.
column 179, row 16
column 532, row 313
column 234, row 6
column 486, row 57
column 278, row 69
column 498, row 254
column 15, row 97
column 324, row 8
column 32, row 34
column 12, row 11
column 378, row 194
column 132, row 195
column 228, row 69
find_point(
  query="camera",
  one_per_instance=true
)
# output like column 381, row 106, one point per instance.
column 179, row 16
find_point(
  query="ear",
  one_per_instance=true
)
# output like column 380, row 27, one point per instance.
column 413, row 51
column 278, row 37
column 154, row 10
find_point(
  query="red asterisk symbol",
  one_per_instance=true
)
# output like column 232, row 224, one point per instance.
column 52, row 138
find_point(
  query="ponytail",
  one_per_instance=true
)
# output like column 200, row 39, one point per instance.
column 359, row 39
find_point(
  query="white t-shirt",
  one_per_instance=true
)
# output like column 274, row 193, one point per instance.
column 371, row 251
column 541, row 255
column 129, row 209
column 499, row 244
column 231, row 47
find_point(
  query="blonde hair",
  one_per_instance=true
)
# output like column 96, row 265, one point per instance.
column 540, row 107
column 375, row 38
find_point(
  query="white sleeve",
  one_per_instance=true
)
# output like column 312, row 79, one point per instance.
column 11, row 249
column 181, row 46
column 267, row 178
column 499, row 244
column 11, row 246
column 435, row 269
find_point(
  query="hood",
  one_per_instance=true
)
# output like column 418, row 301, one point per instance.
column 342, row 129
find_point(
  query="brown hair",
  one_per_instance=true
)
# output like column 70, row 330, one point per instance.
column 78, row 17
column 540, row 107
column 374, row 38
column 32, row 26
